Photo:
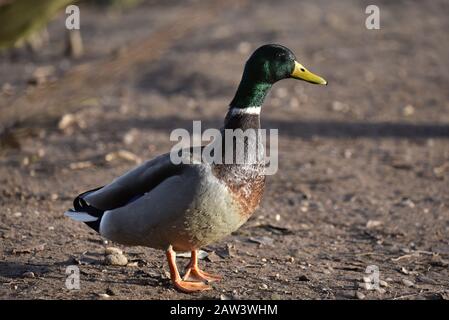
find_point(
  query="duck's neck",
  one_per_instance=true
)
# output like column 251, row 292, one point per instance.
column 250, row 93
column 244, row 109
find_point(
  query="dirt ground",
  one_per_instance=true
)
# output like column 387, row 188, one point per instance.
column 363, row 163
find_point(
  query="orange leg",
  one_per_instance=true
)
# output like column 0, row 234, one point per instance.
column 194, row 272
column 182, row 285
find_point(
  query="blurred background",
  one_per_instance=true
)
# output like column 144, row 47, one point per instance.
column 363, row 163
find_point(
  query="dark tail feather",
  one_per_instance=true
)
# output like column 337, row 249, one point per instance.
column 82, row 207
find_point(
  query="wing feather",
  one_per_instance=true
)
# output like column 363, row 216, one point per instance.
column 133, row 184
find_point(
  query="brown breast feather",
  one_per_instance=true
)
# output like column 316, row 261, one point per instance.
column 246, row 183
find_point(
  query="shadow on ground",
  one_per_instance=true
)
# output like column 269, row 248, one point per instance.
column 309, row 128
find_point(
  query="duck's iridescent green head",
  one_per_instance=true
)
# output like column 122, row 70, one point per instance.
column 273, row 62
column 267, row 65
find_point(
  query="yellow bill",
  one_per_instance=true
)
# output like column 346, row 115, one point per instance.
column 301, row 73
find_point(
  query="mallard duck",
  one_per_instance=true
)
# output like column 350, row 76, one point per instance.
column 183, row 207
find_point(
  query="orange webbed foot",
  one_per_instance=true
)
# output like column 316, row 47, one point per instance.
column 195, row 274
column 184, row 285
column 190, row 286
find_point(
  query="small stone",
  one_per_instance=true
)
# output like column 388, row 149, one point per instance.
column 131, row 136
column 338, row 106
column 104, row 296
column 263, row 286
column 305, row 226
column 54, row 196
column 122, row 155
column 132, row 264
column 17, row 214
column 112, row 250
column 347, row 154
column 225, row 297
column 28, row 274
column 275, row 296
column 277, row 217
column 213, row 257
column 359, row 295
column 80, row 165
column 406, row 202
column 69, row 122
column 404, row 270
column 51, row 228
column 408, row 283
column 116, row 260
column 364, row 285
column 383, row 283
column 408, row 110
column 371, row 224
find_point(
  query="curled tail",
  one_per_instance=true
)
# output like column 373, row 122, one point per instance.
column 84, row 212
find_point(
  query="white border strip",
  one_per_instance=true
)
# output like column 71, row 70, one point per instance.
column 247, row 110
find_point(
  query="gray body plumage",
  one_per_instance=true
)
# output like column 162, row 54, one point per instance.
column 189, row 208
column 186, row 205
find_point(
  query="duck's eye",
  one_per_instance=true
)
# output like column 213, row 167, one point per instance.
column 302, row 69
column 280, row 56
